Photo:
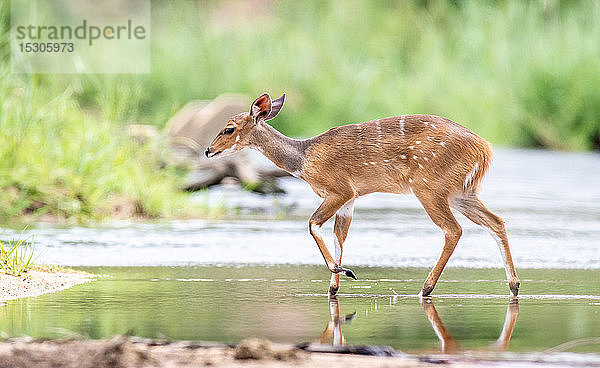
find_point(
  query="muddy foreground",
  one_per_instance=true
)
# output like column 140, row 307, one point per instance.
column 123, row 351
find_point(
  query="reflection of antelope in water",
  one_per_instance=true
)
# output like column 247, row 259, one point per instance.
column 449, row 345
column 334, row 326
column 447, row 342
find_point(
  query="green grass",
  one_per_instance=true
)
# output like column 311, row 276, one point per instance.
column 517, row 73
column 16, row 256
column 58, row 160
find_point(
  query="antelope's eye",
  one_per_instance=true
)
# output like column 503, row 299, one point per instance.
column 228, row 131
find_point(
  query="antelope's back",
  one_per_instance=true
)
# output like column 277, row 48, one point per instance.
column 397, row 154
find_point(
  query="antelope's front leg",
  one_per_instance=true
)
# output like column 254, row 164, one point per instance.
column 329, row 206
column 343, row 218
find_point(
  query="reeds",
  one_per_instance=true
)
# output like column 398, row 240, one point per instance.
column 16, row 256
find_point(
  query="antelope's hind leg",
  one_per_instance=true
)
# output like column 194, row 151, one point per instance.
column 343, row 218
column 438, row 209
column 472, row 207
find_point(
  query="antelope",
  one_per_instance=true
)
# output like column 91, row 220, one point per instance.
column 441, row 162
column 333, row 329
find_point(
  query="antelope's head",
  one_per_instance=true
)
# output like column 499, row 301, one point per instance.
column 238, row 130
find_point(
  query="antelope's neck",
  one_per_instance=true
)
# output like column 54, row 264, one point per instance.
column 285, row 152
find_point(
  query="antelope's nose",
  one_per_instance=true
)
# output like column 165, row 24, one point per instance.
column 207, row 152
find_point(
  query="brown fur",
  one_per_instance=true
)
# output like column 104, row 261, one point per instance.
column 375, row 157
column 440, row 161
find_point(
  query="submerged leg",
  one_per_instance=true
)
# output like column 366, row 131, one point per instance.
column 438, row 209
column 329, row 206
column 472, row 207
column 343, row 218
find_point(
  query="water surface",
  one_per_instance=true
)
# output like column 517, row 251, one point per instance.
column 288, row 304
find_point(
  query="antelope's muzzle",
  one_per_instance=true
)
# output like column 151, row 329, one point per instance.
column 210, row 154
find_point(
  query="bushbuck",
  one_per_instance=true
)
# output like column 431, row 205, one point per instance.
column 439, row 161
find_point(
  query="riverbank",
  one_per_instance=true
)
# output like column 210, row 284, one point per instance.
column 38, row 281
column 124, row 352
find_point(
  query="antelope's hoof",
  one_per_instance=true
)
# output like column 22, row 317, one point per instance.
column 426, row 291
column 349, row 273
column 344, row 271
column 333, row 289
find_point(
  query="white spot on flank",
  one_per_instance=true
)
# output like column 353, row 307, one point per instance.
column 386, row 160
column 426, row 122
column 402, row 125
column 372, row 163
column 470, row 175
column 411, row 147
column 237, row 138
column 425, row 180
column 403, row 157
column 433, row 126
column 409, row 180
column 429, row 138
column 433, row 153
column 365, row 163
column 415, row 157
column 443, row 144
column 418, row 142
column 421, row 151
column 425, row 158
column 421, row 166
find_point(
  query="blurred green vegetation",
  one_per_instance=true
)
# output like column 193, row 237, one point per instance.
column 59, row 161
column 518, row 73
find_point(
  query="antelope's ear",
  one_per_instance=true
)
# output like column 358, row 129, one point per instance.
column 261, row 108
column 276, row 106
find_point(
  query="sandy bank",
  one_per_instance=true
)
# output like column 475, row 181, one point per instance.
column 134, row 352
column 38, row 282
column 125, row 352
